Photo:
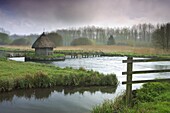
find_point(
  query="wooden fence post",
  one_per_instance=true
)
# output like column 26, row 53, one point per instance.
column 130, row 72
column 129, row 81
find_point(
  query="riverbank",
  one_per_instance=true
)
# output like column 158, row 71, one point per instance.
column 151, row 98
column 105, row 50
column 53, row 57
column 129, row 54
column 25, row 75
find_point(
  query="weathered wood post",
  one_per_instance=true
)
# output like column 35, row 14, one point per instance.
column 129, row 81
column 71, row 55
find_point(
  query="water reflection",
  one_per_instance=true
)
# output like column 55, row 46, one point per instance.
column 78, row 100
column 162, row 66
column 45, row 93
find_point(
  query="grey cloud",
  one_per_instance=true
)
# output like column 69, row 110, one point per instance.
column 26, row 16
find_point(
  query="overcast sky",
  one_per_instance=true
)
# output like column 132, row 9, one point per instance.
column 31, row 16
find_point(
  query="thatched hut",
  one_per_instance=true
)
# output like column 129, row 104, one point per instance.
column 43, row 45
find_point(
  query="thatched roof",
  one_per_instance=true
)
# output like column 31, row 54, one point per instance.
column 43, row 42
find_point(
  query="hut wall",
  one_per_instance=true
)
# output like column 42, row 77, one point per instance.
column 44, row 51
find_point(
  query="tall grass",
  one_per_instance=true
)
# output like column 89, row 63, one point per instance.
column 24, row 75
column 103, row 48
column 107, row 50
column 151, row 98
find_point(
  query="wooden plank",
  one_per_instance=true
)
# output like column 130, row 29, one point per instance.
column 130, row 72
column 147, row 60
column 147, row 71
column 129, row 80
column 144, row 81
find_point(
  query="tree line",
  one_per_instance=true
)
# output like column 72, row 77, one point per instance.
column 138, row 35
column 161, row 36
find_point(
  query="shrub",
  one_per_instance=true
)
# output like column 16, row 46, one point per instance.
column 56, row 38
column 150, row 91
column 41, row 80
column 21, row 41
column 111, row 40
column 82, row 41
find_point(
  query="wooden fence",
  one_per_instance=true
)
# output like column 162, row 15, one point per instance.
column 130, row 72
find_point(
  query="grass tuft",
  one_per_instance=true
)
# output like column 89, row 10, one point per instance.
column 151, row 98
column 25, row 75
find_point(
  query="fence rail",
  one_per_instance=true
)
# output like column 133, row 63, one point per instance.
column 144, row 81
column 130, row 73
column 147, row 71
column 146, row 60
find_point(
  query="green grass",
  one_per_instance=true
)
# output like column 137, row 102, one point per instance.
column 151, row 98
column 76, row 51
column 136, row 55
column 111, row 54
column 7, row 49
column 121, row 52
column 23, row 75
column 33, row 55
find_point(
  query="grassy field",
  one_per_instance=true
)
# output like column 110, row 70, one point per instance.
column 6, row 47
column 151, row 98
column 105, row 48
column 22, row 75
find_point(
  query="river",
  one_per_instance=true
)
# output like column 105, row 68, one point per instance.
column 76, row 100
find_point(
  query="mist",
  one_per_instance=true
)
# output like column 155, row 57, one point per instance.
column 32, row 16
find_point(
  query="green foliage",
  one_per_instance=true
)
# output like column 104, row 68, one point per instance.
column 110, row 106
column 111, row 40
column 161, row 37
column 41, row 80
column 21, row 41
column 56, row 38
column 123, row 35
column 23, row 75
column 105, row 107
column 31, row 37
column 150, row 91
column 4, row 39
column 82, row 41
column 3, row 59
column 33, row 55
column 151, row 98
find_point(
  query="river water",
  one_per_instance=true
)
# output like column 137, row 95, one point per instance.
column 76, row 100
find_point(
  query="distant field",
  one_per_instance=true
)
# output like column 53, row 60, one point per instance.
column 17, row 47
column 105, row 48
column 109, row 49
